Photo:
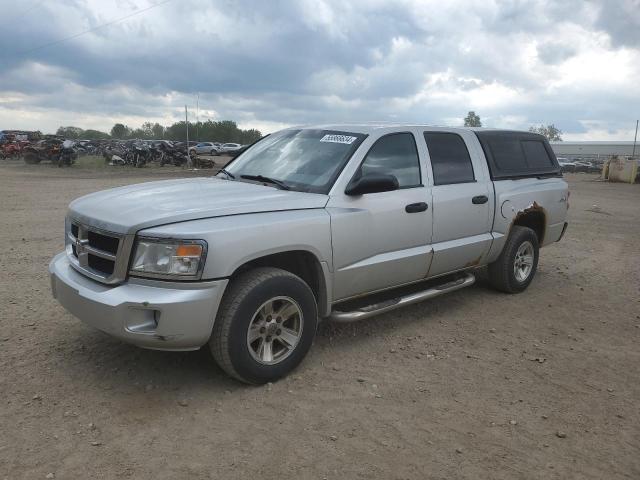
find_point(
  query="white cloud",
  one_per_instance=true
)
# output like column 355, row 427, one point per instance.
column 271, row 64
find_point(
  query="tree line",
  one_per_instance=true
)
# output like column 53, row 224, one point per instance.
column 551, row 132
column 222, row 131
column 228, row 131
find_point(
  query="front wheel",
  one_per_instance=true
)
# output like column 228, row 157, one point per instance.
column 516, row 266
column 265, row 325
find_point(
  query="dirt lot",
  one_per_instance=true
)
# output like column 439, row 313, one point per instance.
column 473, row 385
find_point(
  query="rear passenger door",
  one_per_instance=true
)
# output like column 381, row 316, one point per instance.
column 462, row 201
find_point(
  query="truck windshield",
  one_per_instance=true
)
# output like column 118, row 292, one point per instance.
column 305, row 160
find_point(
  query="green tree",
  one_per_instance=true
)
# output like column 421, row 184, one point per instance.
column 120, row 131
column 249, row 136
column 147, row 130
column 178, row 131
column 95, row 135
column 551, row 132
column 472, row 120
column 70, row 132
column 157, row 131
column 210, row 131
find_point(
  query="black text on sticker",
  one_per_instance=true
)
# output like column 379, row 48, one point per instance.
column 338, row 139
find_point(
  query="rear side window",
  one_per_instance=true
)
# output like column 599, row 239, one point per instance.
column 507, row 154
column 450, row 158
column 397, row 155
column 517, row 154
column 535, row 154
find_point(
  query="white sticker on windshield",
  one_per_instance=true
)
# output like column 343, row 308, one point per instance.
column 338, row 139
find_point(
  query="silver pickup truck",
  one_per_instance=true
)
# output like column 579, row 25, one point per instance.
column 337, row 222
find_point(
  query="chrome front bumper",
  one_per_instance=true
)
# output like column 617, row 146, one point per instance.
column 151, row 314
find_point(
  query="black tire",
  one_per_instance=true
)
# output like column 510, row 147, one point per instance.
column 31, row 158
column 502, row 274
column 240, row 303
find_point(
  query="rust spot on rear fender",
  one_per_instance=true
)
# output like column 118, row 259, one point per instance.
column 534, row 207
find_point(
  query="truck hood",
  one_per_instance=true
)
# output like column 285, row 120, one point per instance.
column 132, row 208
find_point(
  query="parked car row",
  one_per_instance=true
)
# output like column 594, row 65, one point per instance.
column 213, row 148
column 116, row 152
column 578, row 166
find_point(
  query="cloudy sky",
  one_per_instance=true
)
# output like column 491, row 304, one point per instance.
column 269, row 64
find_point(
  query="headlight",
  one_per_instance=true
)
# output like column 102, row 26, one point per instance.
column 169, row 258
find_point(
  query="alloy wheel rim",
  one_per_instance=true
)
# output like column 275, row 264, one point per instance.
column 275, row 330
column 523, row 263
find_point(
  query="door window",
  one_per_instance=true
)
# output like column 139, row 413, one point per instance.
column 395, row 154
column 450, row 159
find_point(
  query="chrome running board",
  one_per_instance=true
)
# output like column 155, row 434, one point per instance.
column 386, row 306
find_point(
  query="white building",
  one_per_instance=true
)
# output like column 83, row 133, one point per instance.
column 594, row 150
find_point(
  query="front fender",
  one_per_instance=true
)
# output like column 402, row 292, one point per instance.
column 237, row 239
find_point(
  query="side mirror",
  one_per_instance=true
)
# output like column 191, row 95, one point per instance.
column 372, row 183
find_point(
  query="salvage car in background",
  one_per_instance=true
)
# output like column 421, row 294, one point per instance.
column 566, row 166
column 47, row 150
column 10, row 149
column 337, row 222
column 586, row 167
column 230, row 147
column 204, row 148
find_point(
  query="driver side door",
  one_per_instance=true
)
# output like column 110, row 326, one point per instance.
column 382, row 240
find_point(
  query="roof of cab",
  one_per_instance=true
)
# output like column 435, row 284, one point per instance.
column 369, row 128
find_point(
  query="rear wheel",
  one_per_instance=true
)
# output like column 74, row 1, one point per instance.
column 516, row 266
column 265, row 325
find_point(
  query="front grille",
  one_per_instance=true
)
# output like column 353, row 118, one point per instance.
column 98, row 254
column 104, row 242
column 101, row 265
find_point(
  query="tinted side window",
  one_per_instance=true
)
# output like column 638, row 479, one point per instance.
column 517, row 154
column 535, row 154
column 507, row 154
column 394, row 154
column 449, row 158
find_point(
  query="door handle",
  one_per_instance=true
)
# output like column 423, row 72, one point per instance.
column 479, row 199
column 416, row 207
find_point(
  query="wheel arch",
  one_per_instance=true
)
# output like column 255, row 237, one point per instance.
column 302, row 263
column 534, row 218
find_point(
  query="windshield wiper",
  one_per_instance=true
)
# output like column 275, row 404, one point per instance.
column 228, row 174
column 261, row 178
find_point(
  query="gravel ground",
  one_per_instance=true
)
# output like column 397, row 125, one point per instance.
column 472, row 385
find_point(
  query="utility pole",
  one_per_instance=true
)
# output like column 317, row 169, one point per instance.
column 186, row 122
column 198, row 117
column 635, row 139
